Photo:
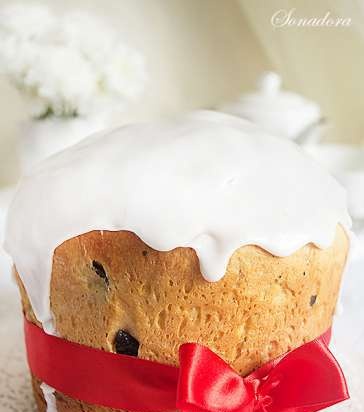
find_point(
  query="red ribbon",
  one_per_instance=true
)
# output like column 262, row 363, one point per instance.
column 306, row 379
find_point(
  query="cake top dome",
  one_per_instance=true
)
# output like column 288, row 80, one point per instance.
column 208, row 180
column 278, row 112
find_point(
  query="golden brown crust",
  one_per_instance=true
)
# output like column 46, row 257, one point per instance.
column 263, row 306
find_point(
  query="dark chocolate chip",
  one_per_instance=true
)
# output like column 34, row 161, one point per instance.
column 145, row 253
column 99, row 269
column 313, row 299
column 125, row 344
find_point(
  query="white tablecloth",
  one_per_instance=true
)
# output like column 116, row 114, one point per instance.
column 15, row 389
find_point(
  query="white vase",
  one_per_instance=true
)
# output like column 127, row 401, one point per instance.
column 42, row 138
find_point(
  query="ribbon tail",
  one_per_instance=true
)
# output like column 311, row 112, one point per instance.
column 308, row 379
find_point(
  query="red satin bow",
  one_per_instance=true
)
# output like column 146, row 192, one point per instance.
column 307, row 379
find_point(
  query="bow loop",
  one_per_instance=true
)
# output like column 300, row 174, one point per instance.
column 208, row 384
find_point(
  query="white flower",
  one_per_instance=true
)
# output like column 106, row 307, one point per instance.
column 118, row 72
column 64, row 80
column 87, row 34
column 70, row 65
column 29, row 23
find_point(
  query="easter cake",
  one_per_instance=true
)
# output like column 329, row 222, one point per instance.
column 198, row 229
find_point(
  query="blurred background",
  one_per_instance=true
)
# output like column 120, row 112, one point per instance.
column 207, row 52
column 69, row 68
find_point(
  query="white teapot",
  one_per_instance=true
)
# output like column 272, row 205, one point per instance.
column 279, row 112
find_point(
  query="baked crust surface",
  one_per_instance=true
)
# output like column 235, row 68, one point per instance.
column 263, row 306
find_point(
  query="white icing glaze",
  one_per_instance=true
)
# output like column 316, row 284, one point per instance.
column 48, row 393
column 278, row 112
column 209, row 181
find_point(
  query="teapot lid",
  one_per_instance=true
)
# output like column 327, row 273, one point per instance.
column 278, row 112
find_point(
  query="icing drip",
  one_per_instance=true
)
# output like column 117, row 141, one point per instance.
column 282, row 113
column 48, row 393
column 209, row 181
